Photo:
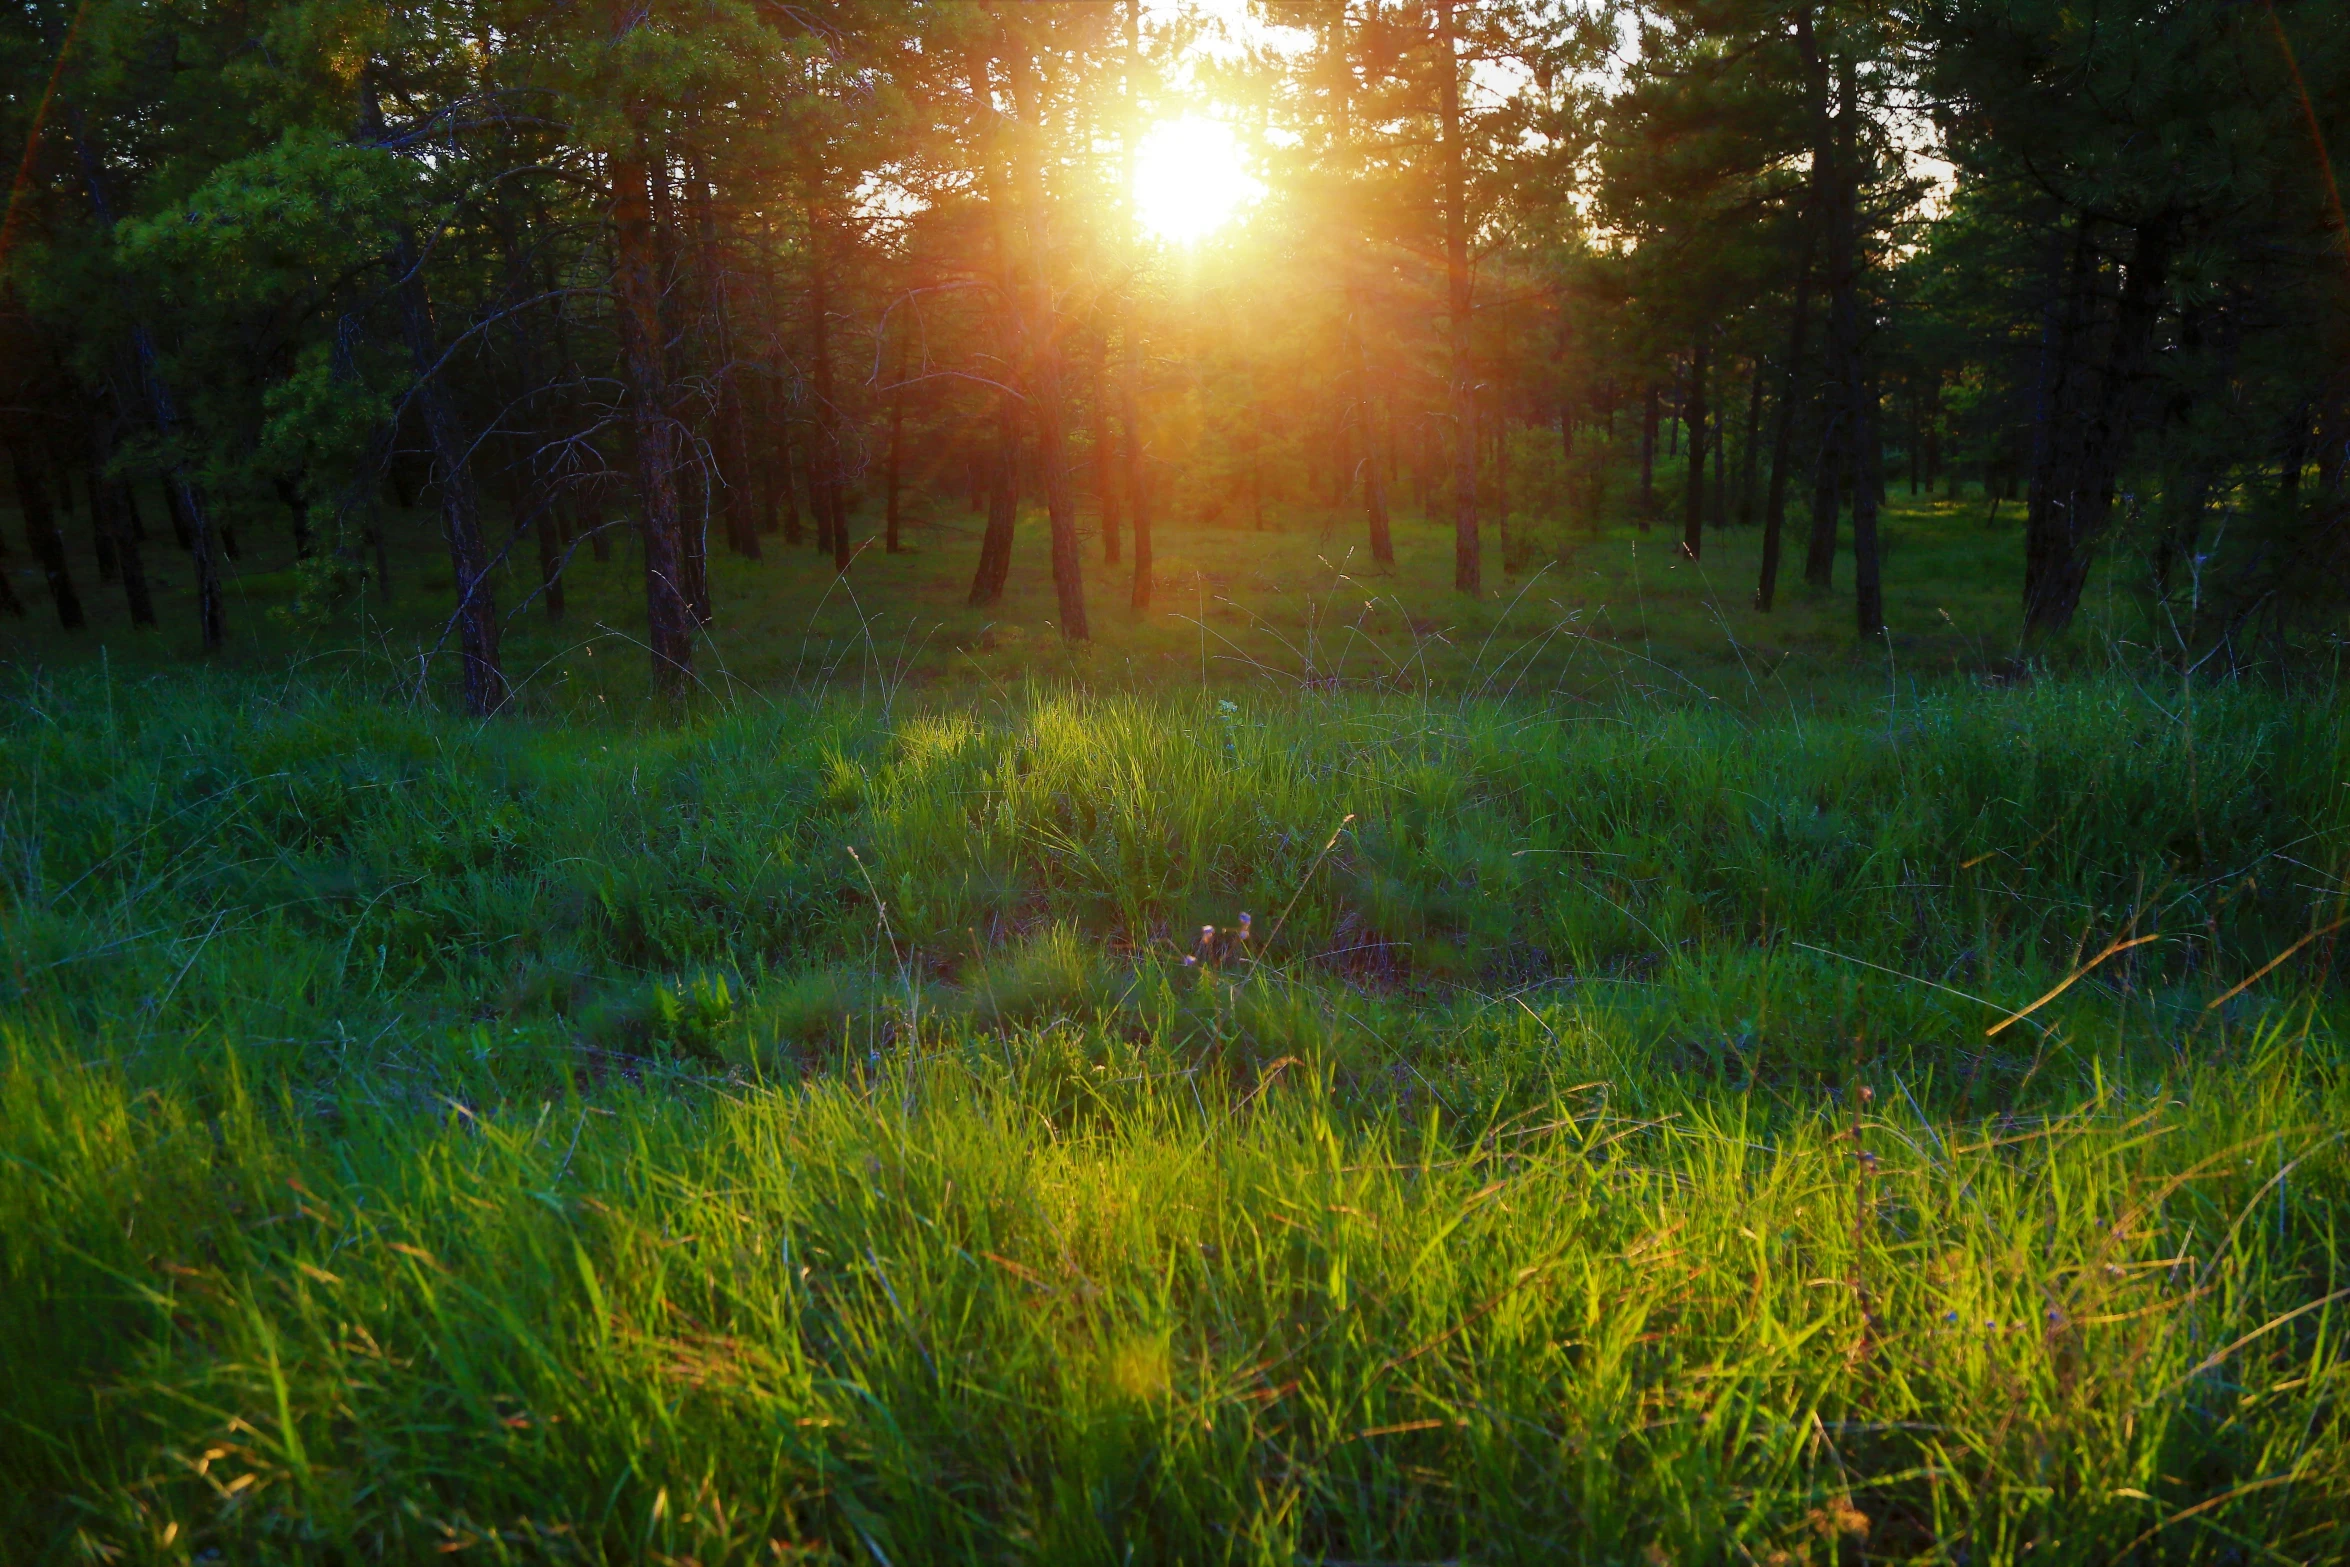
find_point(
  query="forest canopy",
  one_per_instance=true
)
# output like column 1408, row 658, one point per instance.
column 748, row 276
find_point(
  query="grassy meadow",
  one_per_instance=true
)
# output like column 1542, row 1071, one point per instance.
column 1690, row 1090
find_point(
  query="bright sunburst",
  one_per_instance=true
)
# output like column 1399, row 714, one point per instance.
column 1189, row 179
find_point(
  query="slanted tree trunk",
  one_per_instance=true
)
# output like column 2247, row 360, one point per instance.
column 531, row 498
column 40, row 530
column 483, row 679
column 1468, row 574
column 191, row 522
column 733, row 483
column 114, row 510
column 112, row 507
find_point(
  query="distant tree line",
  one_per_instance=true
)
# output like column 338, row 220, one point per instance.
column 769, row 277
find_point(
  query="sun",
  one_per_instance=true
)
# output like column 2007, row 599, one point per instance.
column 1190, row 178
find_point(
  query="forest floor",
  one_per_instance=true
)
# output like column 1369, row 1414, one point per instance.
column 1690, row 1090
column 1565, row 610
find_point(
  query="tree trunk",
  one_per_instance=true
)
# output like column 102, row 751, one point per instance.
column 40, row 531
column 1467, row 565
column 2089, row 415
column 1693, row 413
column 1366, row 419
column 1041, row 331
column 1375, row 516
column 483, row 679
column 825, row 475
column 1868, row 592
column 1131, row 444
column 1648, row 420
column 1003, row 507
column 1832, row 184
column 787, row 483
column 1717, row 508
column 112, row 504
column 733, row 486
column 1003, row 495
column 114, row 510
column 189, row 518
column 1105, row 462
column 692, row 537
column 897, row 440
column 1783, row 430
column 101, row 536
column 1748, row 454
column 669, row 611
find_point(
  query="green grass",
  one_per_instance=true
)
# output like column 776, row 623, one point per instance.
column 547, row 1140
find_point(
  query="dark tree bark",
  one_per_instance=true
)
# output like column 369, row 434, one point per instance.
column 1040, row 330
column 1717, row 505
column 897, row 440
column 1693, row 412
column 115, row 513
column 1361, row 406
column 1003, row 507
column 483, row 679
column 1003, row 493
column 40, row 530
column 289, row 495
column 1783, row 428
column 787, row 483
column 1748, row 454
column 2089, row 415
column 669, row 610
column 1868, row 591
column 825, row 471
column 1467, row 548
column 101, row 536
column 1648, row 420
column 111, row 507
column 190, row 520
column 733, row 488
column 1833, row 191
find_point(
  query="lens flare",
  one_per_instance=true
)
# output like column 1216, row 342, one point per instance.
column 1190, row 178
